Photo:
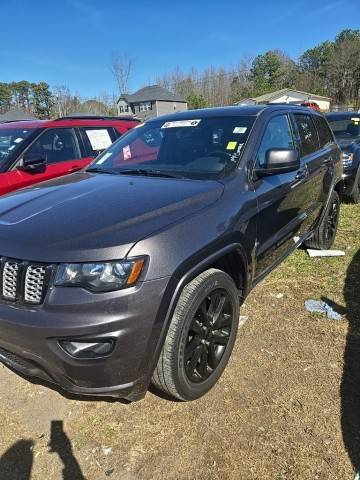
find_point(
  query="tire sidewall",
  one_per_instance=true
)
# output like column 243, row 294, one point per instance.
column 328, row 242
column 218, row 280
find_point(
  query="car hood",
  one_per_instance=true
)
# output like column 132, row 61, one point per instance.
column 88, row 217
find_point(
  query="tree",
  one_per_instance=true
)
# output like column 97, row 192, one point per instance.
column 43, row 99
column 121, row 67
column 195, row 101
column 5, row 97
column 271, row 71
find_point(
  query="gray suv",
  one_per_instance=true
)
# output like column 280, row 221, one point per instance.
column 133, row 270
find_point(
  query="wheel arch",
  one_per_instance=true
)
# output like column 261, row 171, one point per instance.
column 226, row 259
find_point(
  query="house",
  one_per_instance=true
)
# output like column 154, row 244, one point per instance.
column 150, row 101
column 15, row 115
column 288, row 95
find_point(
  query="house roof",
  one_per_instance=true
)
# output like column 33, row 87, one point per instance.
column 267, row 97
column 152, row 93
column 14, row 114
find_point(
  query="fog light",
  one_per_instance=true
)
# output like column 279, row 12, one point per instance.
column 87, row 348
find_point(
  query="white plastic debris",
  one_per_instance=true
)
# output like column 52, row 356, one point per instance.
column 106, row 451
column 277, row 295
column 325, row 253
column 318, row 306
column 242, row 320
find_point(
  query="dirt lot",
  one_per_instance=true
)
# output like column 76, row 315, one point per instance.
column 287, row 407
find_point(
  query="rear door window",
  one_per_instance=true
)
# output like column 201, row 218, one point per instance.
column 56, row 145
column 325, row 135
column 308, row 136
column 98, row 138
column 277, row 135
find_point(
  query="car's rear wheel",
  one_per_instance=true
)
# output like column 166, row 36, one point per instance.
column 355, row 196
column 200, row 338
column 325, row 234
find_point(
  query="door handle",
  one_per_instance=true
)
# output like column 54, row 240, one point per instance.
column 301, row 174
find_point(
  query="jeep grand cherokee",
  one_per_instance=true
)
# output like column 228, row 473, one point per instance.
column 134, row 270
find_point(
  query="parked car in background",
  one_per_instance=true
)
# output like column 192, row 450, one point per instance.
column 34, row 151
column 346, row 128
column 134, row 269
column 312, row 105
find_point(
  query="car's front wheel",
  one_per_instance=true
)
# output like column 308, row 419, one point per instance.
column 200, row 338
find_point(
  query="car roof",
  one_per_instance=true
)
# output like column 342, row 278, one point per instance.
column 85, row 121
column 232, row 111
column 341, row 115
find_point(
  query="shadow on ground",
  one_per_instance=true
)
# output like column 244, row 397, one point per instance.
column 350, row 382
column 16, row 463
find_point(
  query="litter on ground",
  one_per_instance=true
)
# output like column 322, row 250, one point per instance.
column 325, row 253
column 319, row 306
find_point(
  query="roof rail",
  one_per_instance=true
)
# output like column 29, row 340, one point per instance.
column 20, row 120
column 97, row 117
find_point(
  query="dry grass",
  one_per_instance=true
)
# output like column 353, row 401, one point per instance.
column 275, row 414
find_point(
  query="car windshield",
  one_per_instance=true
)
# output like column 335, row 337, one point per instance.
column 10, row 141
column 346, row 128
column 194, row 148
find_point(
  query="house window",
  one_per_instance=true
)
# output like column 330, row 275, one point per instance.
column 145, row 106
column 124, row 108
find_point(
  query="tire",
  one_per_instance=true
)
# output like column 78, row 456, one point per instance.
column 195, row 353
column 325, row 234
column 355, row 196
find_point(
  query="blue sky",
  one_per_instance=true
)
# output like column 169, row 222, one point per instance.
column 70, row 42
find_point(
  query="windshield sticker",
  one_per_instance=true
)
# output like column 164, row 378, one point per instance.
column 18, row 140
column 231, row 145
column 99, row 139
column 103, row 158
column 356, row 120
column 239, row 129
column 127, row 152
column 181, row 123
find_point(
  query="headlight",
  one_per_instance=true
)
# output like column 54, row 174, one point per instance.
column 347, row 159
column 100, row 276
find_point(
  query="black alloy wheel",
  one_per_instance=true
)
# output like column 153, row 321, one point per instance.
column 208, row 335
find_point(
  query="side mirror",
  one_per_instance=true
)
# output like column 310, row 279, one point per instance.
column 279, row 160
column 32, row 163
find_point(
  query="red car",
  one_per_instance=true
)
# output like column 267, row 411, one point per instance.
column 312, row 105
column 35, row 151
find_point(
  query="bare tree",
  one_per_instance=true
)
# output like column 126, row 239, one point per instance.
column 121, row 66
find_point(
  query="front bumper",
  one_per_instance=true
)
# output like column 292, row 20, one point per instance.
column 29, row 338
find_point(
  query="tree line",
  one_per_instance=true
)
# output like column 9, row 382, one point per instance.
column 331, row 68
column 34, row 98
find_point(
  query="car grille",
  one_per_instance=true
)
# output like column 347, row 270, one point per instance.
column 24, row 282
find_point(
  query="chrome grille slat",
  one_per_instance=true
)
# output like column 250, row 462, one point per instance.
column 9, row 280
column 34, row 283
column 23, row 282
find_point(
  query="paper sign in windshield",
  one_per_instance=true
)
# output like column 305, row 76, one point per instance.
column 99, row 139
column 239, row 129
column 127, row 152
column 181, row 123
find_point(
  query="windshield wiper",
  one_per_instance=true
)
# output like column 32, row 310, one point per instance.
column 146, row 172
column 101, row 170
